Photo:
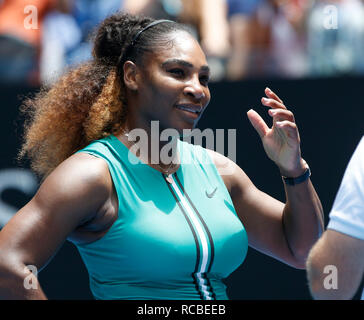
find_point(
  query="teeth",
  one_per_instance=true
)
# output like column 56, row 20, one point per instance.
column 187, row 109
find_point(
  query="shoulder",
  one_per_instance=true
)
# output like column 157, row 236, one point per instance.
column 347, row 213
column 81, row 169
column 233, row 176
column 357, row 160
column 81, row 183
column 360, row 146
column 69, row 196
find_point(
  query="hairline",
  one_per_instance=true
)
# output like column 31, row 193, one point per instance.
column 168, row 40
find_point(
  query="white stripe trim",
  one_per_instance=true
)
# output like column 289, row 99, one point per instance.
column 203, row 287
column 205, row 251
column 202, row 236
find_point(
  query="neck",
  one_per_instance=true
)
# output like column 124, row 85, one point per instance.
column 145, row 142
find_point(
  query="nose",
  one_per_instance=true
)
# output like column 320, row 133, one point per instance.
column 195, row 89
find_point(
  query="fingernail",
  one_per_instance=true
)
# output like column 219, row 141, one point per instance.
column 268, row 89
column 265, row 100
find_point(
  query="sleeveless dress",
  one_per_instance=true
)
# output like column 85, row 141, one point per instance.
column 175, row 240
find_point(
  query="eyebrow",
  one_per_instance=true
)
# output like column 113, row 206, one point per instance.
column 184, row 63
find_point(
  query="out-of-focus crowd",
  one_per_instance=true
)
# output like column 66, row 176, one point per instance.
column 242, row 39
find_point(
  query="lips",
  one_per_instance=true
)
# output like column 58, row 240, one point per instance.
column 190, row 108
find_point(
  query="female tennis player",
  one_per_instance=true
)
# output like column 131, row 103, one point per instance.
column 148, row 230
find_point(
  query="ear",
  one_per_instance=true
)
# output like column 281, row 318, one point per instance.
column 130, row 75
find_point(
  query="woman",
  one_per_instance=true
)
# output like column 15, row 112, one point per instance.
column 149, row 230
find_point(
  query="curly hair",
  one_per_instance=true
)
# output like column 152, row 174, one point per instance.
column 89, row 102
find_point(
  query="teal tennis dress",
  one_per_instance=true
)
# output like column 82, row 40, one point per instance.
column 171, row 240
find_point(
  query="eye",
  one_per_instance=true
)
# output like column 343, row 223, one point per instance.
column 177, row 71
column 204, row 80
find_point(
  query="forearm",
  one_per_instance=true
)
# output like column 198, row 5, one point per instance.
column 303, row 221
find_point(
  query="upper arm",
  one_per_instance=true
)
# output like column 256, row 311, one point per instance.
column 260, row 213
column 336, row 247
column 343, row 252
column 69, row 196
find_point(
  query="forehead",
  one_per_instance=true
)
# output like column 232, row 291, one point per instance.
column 182, row 46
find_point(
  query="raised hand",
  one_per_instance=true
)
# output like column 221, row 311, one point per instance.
column 281, row 142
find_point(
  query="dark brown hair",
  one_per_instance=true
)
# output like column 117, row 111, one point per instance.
column 88, row 102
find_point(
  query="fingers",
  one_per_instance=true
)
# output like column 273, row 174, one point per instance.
column 273, row 103
column 281, row 114
column 279, row 111
column 286, row 124
column 258, row 123
column 289, row 128
column 272, row 95
column 272, row 100
column 284, row 120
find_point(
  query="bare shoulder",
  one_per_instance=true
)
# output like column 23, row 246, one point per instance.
column 85, row 166
column 72, row 194
column 80, row 169
column 233, row 176
column 81, row 182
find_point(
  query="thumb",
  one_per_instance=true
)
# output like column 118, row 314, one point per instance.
column 258, row 123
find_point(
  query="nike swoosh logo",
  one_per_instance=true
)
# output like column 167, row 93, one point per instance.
column 210, row 195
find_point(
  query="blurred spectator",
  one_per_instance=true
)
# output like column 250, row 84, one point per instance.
column 336, row 37
column 288, row 38
column 65, row 39
column 21, row 25
column 206, row 18
column 267, row 38
column 244, row 33
column 241, row 38
column 157, row 9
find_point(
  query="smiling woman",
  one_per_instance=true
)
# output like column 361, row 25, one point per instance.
column 173, row 79
column 145, row 229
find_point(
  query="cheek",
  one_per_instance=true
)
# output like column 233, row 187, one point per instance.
column 167, row 94
column 163, row 87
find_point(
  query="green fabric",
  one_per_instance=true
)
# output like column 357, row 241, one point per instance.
column 154, row 249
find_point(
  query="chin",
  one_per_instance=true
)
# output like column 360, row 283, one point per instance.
column 186, row 129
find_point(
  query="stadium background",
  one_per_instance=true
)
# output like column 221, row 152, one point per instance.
column 325, row 97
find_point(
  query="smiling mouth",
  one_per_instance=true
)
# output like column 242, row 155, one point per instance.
column 194, row 110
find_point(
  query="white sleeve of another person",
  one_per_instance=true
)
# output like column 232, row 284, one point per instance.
column 347, row 214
